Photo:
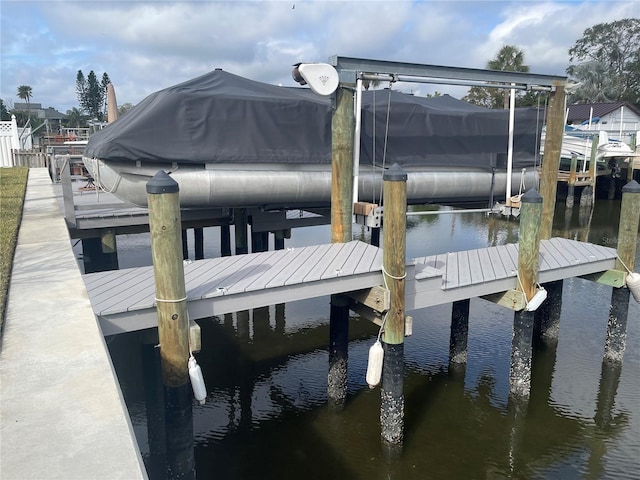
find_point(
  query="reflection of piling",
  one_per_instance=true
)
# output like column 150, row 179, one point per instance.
column 627, row 240
column 394, row 247
column 173, row 323
column 459, row 334
column 547, row 317
column 528, row 252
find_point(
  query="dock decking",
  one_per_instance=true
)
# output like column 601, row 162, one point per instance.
column 124, row 300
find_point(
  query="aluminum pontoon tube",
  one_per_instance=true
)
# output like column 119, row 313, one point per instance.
column 291, row 186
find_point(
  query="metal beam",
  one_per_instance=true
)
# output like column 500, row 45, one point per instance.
column 349, row 67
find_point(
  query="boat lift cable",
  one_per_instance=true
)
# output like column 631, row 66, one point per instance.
column 386, row 136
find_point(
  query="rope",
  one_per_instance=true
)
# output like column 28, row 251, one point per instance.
column 627, row 268
column 170, row 301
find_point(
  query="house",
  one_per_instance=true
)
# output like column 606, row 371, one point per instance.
column 613, row 116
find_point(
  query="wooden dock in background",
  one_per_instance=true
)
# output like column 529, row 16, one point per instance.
column 123, row 300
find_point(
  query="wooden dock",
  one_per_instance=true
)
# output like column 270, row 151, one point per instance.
column 123, row 300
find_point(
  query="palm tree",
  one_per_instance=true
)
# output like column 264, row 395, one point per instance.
column 25, row 93
column 510, row 58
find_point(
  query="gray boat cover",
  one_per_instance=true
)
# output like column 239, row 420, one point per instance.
column 224, row 118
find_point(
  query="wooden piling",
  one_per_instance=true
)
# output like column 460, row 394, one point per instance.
column 173, row 322
column 551, row 158
column 615, row 342
column 242, row 243
column 394, row 261
column 198, row 236
column 528, row 252
column 225, row 240
column 571, row 185
column 338, row 352
column 342, row 128
column 587, row 196
column 459, row 333
column 547, row 317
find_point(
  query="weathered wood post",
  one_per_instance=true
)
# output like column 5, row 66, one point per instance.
column 225, row 240
column 242, row 243
column 616, row 339
column 394, row 231
column 198, row 240
column 571, row 185
column 459, row 335
column 634, row 146
column 173, row 322
column 551, row 158
column 587, row 197
column 528, row 252
column 342, row 130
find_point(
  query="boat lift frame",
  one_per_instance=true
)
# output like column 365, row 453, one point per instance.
column 352, row 71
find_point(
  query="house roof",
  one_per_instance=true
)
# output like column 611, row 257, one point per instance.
column 582, row 111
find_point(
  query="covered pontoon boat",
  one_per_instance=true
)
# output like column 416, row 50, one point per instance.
column 230, row 141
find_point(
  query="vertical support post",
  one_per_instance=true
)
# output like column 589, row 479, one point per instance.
column 342, row 128
column 225, row 240
column 198, row 235
column 588, row 193
column 342, row 125
column 571, row 186
column 242, row 244
column 278, row 240
column 616, row 339
column 185, row 245
column 394, row 263
column 375, row 236
column 551, row 158
column 528, row 252
column 459, row 334
column 338, row 352
column 173, row 322
column 632, row 160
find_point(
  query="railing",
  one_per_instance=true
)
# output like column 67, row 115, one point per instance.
column 29, row 158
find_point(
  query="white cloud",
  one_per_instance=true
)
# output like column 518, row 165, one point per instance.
column 146, row 46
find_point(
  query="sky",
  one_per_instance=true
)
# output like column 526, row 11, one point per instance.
column 145, row 46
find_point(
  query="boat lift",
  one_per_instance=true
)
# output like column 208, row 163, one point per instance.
column 353, row 71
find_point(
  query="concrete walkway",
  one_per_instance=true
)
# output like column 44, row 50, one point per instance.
column 62, row 415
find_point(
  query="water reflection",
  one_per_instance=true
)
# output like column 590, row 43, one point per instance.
column 265, row 370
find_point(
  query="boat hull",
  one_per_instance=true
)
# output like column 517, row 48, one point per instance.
column 295, row 186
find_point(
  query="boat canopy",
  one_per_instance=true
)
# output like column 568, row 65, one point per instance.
column 224, row 118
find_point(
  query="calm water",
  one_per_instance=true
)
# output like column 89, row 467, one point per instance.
column 265, row 371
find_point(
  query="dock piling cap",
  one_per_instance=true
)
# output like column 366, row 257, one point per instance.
column 162, row 183
column 395, row 174
column 531, row 196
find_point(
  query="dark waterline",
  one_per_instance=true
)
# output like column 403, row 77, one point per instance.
column 265, row 371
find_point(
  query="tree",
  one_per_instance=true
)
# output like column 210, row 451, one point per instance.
column 4, row 113
column 124, row 108
column 24, row 93
column 613, row 49
column 92, row 94
column 509, row 58
column 75, row 118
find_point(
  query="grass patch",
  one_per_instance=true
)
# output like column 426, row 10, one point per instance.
column 13, row 184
